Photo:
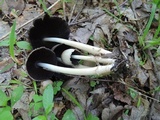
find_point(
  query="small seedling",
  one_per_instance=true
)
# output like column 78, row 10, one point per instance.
column 93, row 83
column 132, row 93
column 57, row 86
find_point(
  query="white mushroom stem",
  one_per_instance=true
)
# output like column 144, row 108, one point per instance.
column 69, row 63
column 67, row 54
column 95, row 59
column 84, row 47
column 99, row 70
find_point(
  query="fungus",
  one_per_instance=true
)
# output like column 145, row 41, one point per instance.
column 48, row 27
column 72, row 57
column 42, row 64
column 41, row 54
column 84, row 47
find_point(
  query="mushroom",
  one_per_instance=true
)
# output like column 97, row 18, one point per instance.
column 41, row 65
column 84, row 47
column 41, row 54
column 72, row 57
column 48, row 27
column 99, row 70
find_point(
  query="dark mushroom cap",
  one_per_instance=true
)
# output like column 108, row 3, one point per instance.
column 59, row 49
column 48, row 27
column 75, row 61
column 44, row 55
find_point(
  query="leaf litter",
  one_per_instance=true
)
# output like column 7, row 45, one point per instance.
column 110, row 97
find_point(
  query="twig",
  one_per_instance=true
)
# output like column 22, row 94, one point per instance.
column 4, row 36
column 89, row 19
column 72, row 11
column 137, row 90
column 77, row 16
column 86, row 20
column 64, row 10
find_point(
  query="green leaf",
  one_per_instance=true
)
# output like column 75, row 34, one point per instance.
column 35, row 86
column 52, row 117
column 12, row 41
column 146, row 30
column 38, row 106
column 92, row 117
column 132, row 93
column 4, row 99
column 93, row 83
column 48, row 99
column 4, row 43
column 67, row 1
column 40, row 117
column 5, row 114
column 57, row 86
column 24, row 45
column 37, row 98
column 139, row 102
column 16, row 94
column 126, row 112
column 69, row 115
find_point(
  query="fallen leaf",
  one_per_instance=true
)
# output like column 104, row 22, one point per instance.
column 4, row 28
column 98, row 38
column 110, row 112
column 119, row 93
column 136, row 114
column 9, row 5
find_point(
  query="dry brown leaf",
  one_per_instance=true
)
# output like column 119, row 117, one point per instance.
column 108, row 113
column 4, row 28
column 58, row 107
column 83, row 34
column 142, row 76
column 98, row 36
column 136, row 114
column 120, row 94
column 29, row 13
column 9, row 5
column 78, row 113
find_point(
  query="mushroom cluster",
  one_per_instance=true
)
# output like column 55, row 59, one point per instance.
column 53, row 53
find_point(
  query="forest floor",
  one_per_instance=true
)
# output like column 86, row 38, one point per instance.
column 127, row 28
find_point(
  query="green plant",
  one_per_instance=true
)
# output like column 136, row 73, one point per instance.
column 146, row 30
column 155, row 89
column 57, row 86
column 48, row 99
column 44, row 7
column 118, row 8
column 69, row 115
column 93, row 83
column 11, row 42
column 5, row 108
column 134, row 95
column 109, row 13
column 67, row 1
column 43, row 104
